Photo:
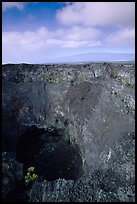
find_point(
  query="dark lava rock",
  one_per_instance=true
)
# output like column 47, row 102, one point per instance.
column 93, row 105
column 12, row 177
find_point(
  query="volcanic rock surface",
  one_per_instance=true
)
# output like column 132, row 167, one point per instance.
column 75, row 123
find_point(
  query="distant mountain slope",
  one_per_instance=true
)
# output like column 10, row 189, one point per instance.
column 97, row 57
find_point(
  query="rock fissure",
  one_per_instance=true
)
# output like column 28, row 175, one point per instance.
column 52, row 156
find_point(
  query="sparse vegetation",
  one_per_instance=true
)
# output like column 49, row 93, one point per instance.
column 51, row 80
column 62, row 78
column 121, row 97
column 127, row 84
column 114, row 74
column 81, row 79
column 132, row 86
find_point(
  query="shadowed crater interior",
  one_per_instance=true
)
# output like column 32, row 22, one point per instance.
column 50, row 152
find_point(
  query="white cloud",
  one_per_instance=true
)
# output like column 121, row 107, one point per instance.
column 32, row 46
column 124, row 37
column 9, row 5
column 18, row 44
column 82, row 33
column 73, row 37
column 98, row 13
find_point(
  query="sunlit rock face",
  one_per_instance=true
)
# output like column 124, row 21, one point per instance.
column 92, row 105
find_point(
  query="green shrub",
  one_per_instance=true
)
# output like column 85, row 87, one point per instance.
column 31, row 176
column 132, row 86
column 114, row 74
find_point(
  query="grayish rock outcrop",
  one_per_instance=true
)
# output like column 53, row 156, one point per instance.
column 55, row 191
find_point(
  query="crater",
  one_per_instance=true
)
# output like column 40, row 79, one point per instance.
column 50, row 152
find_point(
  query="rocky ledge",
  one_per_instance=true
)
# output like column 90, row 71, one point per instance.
column 73, row 127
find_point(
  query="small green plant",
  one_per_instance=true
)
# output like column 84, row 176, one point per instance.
column 132, row 86
column 50, row 80
column 62, row 78
column 114, row 74
column 81, row 79
column 31, row 176
column 121, row 97
column 44, row 180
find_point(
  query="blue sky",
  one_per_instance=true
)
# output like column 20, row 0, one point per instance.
column 48, row 32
